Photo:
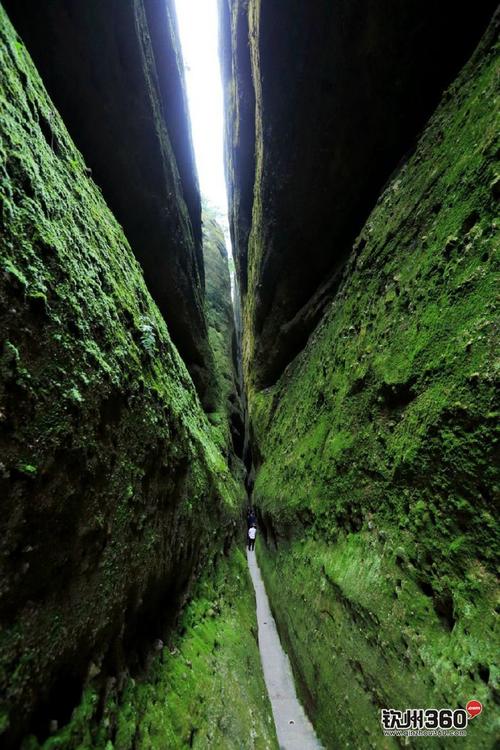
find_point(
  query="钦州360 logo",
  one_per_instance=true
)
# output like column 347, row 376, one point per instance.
column 429, row 721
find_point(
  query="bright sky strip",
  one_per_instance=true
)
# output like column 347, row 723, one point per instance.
column 198, row 28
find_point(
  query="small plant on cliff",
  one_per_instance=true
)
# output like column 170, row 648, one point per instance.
column 148, row 337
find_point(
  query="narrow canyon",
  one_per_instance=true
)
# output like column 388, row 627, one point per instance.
column 336, row 370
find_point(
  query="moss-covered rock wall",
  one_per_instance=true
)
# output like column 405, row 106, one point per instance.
column 323, row 100
column 376, row 478
column 204, row 689
column 114, row 489
column 227, row 397
column 114, row 71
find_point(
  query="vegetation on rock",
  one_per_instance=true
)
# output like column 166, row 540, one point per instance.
column 376, row 475
column 114, row 71
column 226, row 397
column 127, row 612
column 108, row 462
column 204, row 689
column 323, row 100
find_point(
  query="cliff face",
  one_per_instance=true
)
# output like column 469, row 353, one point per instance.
column 239, row 103
column 328, row 96
column 376, row 475
column 111, row 477
column 227, row 415
column 114, row 72
column 196, row 692
column 368, row 345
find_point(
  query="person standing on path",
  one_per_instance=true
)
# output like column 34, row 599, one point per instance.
column 252, row 533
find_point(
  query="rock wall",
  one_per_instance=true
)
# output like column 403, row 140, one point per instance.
column 114, row 488
column 328, row 96
column 227, row 415
column 114, row 71
column 197, row 691
column 239, row 104
column 376, row 475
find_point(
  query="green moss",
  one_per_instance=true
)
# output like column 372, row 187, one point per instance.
column 27, row 469
column 205, row 690
column 363, row 636
column 384, row 423
column 108, row 460
column 396, row 386
column 225, row 397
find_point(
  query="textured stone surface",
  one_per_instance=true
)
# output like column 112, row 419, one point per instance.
column 205, row 688
column 114, row 71
column 377, row 471
column 226, row 397
column 373, row 451
column 239, row 102
column 114, row 490
column 341, row 89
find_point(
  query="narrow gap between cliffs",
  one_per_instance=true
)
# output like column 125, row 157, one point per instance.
column 198, row 24
column 198, row 30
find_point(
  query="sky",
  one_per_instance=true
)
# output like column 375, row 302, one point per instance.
column 198, row 27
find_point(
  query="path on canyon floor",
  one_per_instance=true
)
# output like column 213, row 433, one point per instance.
column 294, row 730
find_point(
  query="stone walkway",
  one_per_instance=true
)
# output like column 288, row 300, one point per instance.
column 294, row 730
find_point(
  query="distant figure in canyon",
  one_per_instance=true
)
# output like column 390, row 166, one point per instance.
column 252, row 533
column 251, row 518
